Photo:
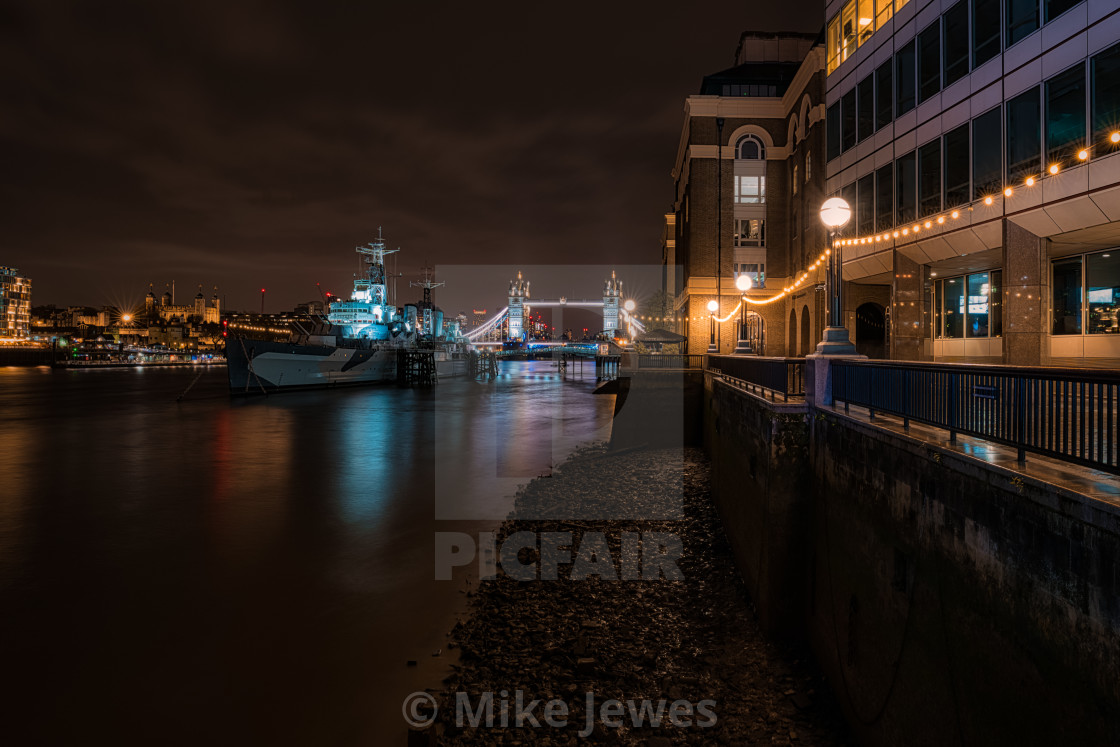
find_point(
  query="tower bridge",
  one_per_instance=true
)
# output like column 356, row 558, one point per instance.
column 520, row 303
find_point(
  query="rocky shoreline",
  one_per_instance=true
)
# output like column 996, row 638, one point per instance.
column 691, row 649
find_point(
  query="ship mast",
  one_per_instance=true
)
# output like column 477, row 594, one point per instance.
column 427, row 284
column 374, row 257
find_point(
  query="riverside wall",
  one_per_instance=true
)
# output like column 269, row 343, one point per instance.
column 947, row 600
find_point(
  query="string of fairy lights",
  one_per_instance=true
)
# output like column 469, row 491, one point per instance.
column 1082, row 155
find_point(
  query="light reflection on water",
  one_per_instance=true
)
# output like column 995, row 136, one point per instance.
column 214, row 563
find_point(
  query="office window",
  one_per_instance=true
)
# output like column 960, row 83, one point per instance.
column 885, row 10
column 929, row 61
column 979, row 306
column 884, row 197
column 952, row 292
column 1055, row 8
column 865, row 102
column 832, row 130
column 1024, row 141
column 906, row 187
column 956, row 166
column 1066, row 296
column 832, row 36
column 1065, row 114
column 1104, row 73
column 848, row 193
column 756, row 271
column 1102, row 274
column 955, row 45
column 865, row 19
column 848, row 119
column 929, row 178
column 750, row 232
column 865, row 205
column 848, row 41
column 1022, row 19
column 987, row 154
column 985, row 31
column 904, row 84
column 750, row 190
column 884, row 95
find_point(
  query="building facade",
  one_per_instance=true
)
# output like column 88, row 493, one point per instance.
column 748, row 183
column 15, row 304
column 978, row 143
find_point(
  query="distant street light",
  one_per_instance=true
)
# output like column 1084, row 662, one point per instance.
column 743, row 283
column 630, row 306
column 713, row 307
column 835, row 213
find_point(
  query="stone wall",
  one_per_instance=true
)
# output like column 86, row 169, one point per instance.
column 948, row 601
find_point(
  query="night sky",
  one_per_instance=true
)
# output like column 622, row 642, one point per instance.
column 255, row 144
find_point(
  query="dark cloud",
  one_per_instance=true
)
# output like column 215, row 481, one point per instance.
column 254, row 143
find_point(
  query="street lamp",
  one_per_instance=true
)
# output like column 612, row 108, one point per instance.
column 629, row 306
column 743, row 283
column 713, row 307
column 835, row 213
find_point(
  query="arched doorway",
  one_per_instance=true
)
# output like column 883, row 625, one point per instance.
column 755, row 332
column 792, row 334
column 871, row 330
column 806, row 332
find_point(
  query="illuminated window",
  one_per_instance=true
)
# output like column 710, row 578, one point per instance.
column 794, row 180
column 750, row 190
column 885, row 8
column 808, row 166
column 750, row 232
column 865, row 20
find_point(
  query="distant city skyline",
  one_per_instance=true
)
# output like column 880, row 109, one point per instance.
column 257, row 145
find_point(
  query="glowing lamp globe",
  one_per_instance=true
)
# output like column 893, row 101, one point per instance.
column 713, row 306
column 629, row 305
column 126, row 318
column 743, row 283
column 835, row 212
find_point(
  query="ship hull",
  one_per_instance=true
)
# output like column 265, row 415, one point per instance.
column 261, row 366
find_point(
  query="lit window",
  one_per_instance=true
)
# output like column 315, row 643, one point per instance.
column 795, row 178
column 756, row 271
column 750, row 232
column 750, row 190
column 808, row 166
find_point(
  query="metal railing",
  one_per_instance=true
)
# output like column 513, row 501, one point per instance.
column 784, row 376
column 1069, row 414
column 669, row 360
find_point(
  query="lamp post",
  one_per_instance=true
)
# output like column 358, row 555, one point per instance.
column 629, row 306
column 713, row 307
column 835, row 213
column 719, row 214
column 743, row 283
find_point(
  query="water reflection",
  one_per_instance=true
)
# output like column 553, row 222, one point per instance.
column 212, row 563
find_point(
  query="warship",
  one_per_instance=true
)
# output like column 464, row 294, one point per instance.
column 363, row 340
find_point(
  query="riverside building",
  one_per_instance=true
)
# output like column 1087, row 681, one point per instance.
column 749, row 181
column 15, row 305
column 978, row 144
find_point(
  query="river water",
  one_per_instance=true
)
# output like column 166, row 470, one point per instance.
column 255, row 571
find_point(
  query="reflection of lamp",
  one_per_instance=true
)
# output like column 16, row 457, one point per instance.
column 713, row 307
column 743, row 283
column 835, row 213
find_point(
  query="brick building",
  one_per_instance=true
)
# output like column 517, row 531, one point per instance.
column 753, row 144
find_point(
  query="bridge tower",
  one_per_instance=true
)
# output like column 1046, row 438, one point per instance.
column 518, row 294
column 612, row 296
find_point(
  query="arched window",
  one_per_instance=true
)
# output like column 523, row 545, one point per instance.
column 808, row 166
column 750, row 148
